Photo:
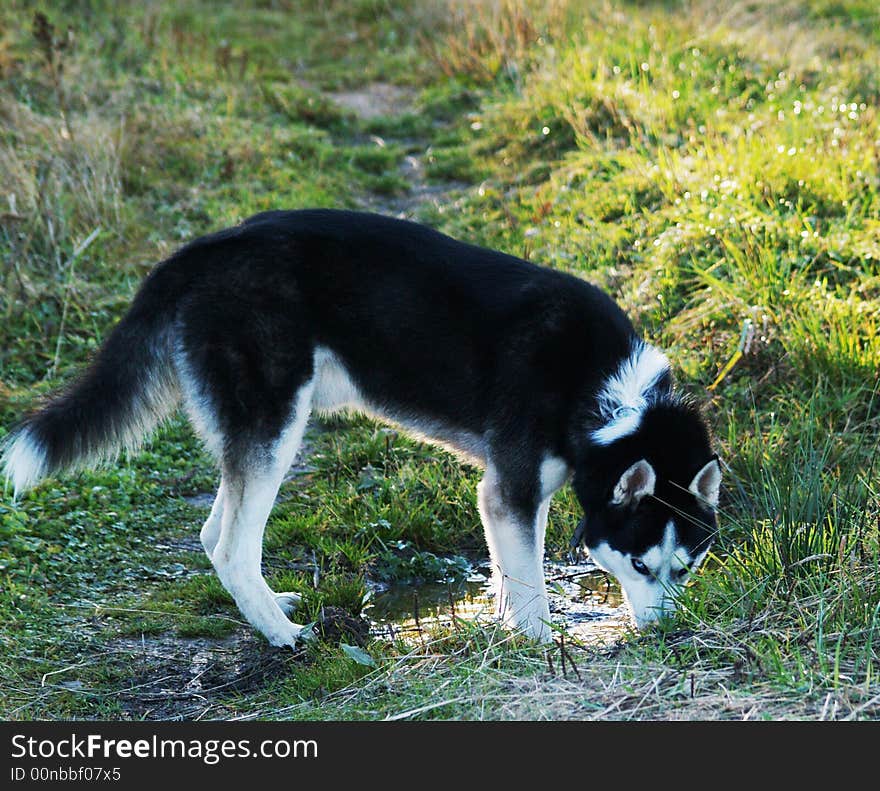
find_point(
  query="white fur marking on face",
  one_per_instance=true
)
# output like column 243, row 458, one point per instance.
column 626, row 393
column 669, row 548
column 653, row 559
column 698, row 560
column 645, row 595
column 648, row 596
column 666, row 557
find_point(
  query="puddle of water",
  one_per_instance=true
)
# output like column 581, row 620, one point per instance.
column 432, row 601
column 200, row 500
column 587, row 602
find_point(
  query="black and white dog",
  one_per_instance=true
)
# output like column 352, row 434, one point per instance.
column 531, row 373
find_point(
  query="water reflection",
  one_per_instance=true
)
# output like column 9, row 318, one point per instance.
column 583, row 599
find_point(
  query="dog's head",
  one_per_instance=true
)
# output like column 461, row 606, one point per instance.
column 652, row 544
column 650, row 517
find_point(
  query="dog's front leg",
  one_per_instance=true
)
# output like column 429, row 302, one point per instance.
column 515, row 535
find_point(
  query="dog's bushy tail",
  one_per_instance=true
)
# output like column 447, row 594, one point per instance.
column 129, row 387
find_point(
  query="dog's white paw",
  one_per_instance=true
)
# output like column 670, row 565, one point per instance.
column 537, row 628
column 289, row 638
column 532, row 620
column 539, row 631
column 288, row 602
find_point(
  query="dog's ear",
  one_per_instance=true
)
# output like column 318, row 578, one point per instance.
column 706, row 484
column 634, row 484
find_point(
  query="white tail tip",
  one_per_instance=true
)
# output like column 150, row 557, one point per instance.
column 24, row 462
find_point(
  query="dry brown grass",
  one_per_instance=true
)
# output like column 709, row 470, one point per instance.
column 58, row 189
column 486, row 37
column 426, row 683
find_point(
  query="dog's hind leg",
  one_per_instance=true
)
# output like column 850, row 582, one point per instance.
column 210, row 533
column 249, row 493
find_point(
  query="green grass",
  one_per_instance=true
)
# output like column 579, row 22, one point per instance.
column 717, row 175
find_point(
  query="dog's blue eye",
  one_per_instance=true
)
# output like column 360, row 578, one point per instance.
column 640, row 567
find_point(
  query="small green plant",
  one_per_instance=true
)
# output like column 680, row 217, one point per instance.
column 401, row 563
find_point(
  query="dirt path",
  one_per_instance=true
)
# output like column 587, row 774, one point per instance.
column 379, row 99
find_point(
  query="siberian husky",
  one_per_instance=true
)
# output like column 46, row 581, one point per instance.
column 532, row 374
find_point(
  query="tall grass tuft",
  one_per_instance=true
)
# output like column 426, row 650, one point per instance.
column 795, row 593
